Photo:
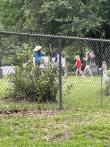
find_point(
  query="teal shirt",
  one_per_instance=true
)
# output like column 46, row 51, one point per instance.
column 38, row 56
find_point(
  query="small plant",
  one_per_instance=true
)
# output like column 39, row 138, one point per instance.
column 33, row 84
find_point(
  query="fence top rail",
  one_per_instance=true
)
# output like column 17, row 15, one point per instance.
column 52, row 36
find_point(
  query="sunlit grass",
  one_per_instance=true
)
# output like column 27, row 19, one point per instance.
column 5, row 86
column 84, row 93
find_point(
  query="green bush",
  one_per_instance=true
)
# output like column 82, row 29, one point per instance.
column 34, row 84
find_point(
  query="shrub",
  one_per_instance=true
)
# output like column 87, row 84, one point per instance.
column 34, row 84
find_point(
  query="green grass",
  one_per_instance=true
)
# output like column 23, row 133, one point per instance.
column 4, row 87
column 72, row 128
column 82, row 123
column 78, row 92
column 84, row 93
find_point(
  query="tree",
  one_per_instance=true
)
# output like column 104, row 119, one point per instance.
column 84, row 18
column 55, row 17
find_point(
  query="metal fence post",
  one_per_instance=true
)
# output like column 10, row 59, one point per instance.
column 60, row 76
column 101, row 87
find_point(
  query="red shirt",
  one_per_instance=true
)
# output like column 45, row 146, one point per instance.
column 78, row 63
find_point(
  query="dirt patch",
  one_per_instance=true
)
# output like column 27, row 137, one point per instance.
column 12, row 111
column 61, row 136
column 30, row 112
column 88, row 135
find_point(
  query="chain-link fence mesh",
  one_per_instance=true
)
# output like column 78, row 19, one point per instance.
column 73, row 72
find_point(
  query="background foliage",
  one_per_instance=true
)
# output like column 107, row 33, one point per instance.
column 83, row 18
column 78, row 18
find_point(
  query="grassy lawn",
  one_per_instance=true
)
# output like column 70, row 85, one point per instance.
column 84, row 93
column 72, row 128
column 4, row 86
column 81, row 124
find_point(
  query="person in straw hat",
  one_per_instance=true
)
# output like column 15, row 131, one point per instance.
column 37, row 55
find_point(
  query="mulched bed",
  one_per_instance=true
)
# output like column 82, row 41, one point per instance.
column 29, row 112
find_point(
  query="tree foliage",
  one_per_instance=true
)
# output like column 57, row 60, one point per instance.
column 67, row 17
column 84, row 18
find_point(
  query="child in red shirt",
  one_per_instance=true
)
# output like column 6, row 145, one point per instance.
column 78, row 66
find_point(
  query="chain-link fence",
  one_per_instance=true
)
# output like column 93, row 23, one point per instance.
column 72, row 72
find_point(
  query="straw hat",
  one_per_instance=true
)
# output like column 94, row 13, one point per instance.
column 37, row 48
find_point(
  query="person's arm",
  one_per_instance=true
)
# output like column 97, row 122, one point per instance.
column 75, row 64
column 43, row 53
column 85, row 59
column 33, row 56
column 86, row 55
